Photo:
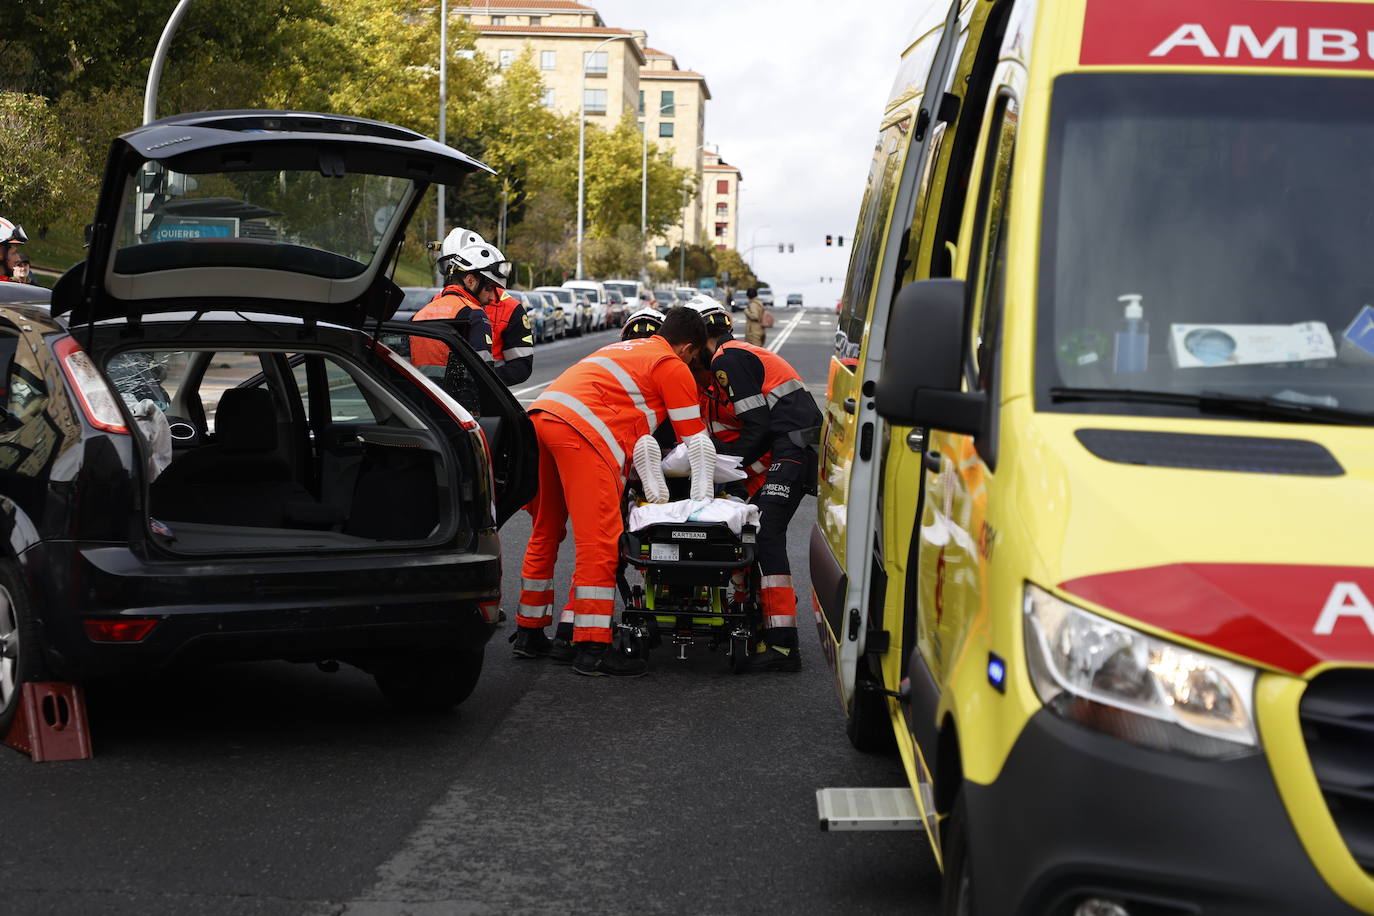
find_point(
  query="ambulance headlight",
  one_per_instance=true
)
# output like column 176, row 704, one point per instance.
column 1118, row 680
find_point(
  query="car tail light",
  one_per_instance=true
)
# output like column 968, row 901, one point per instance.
column 98, row 402
column 125, row 629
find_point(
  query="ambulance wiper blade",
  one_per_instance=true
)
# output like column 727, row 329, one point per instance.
column 1215, row 402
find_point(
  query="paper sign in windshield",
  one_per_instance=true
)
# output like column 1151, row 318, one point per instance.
column 1196, row 346
column 1236, row 33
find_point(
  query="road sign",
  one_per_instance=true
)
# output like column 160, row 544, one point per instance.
column 706, row 283
column 175, row 228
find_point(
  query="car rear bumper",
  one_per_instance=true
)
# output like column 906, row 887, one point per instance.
column 347, row 606
column 1076, row 814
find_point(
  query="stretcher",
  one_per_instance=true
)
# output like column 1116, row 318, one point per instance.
column 690, row 591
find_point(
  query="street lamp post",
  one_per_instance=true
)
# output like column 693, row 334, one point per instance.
column 443, row 111
column 160, row 58
column 582, row 147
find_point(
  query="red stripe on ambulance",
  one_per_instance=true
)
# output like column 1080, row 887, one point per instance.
column 1238, row 33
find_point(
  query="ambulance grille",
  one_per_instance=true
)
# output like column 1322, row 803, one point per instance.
column 1337, row 714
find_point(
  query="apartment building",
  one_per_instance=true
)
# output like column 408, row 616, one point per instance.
column 562, row 35
column 672, row 108
column 720, row 201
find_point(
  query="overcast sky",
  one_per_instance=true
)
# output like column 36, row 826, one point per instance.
column 797, row 90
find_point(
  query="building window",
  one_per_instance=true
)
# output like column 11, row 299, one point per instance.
column 595, row 63
column 723, row 186
column 504, row 58
column 536, row 20
column 661, row 252
column 720, row 229
column 641, row 103
column 722, row 210
column 594, row 100
column 547, row 98
column 498, row 20
column 548, row 60
column 666, row 106
column 665, row 128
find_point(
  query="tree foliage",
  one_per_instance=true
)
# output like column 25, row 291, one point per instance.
column 75, row 75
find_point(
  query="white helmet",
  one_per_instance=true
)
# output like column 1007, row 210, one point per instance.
column 718, row 321
column 13, row 233
column 457, row 240
column 482, row 259
column 643, row 323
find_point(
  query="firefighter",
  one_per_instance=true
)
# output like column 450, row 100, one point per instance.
column 11, row 237
column 512, row 333
column 588, row 422
column 760, row 410
column 472, row 275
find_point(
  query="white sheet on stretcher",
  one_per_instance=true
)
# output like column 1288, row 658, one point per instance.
column 732, row 512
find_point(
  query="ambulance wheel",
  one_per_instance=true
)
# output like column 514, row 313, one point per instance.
column 956, row 891
column 429, row 680
column 867, row 721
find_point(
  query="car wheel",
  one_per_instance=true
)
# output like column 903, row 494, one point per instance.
column 21, row 659
column 956, row 891
column 430, row 680
column 867, row 721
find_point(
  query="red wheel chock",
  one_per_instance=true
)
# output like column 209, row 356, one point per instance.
column 50, row 723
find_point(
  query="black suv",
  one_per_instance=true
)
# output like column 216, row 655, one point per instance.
column 213, row 445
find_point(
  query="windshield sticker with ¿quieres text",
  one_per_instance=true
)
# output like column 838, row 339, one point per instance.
column 1238, row 33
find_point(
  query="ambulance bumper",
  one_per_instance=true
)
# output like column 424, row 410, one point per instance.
column 1076, row 814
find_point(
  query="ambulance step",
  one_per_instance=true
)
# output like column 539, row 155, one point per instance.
column 867, row 809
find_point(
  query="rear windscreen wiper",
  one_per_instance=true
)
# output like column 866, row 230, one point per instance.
column 1214, row 402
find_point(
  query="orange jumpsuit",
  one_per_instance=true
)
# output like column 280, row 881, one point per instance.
column 587, row 423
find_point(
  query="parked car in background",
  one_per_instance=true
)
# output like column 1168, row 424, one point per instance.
column 591, row 313
column 596, row 293
column 739, row 300
column 534, row 309
column 665, row 299
column 615, row 308
column 567, row 300
column 328, row 499
column 551, row 316
column 636, row 294
column 416, row 298
column 794, row 300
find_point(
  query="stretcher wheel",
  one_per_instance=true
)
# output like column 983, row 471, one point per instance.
column 739, row 654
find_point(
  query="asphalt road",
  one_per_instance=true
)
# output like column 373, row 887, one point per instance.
column 276, row 788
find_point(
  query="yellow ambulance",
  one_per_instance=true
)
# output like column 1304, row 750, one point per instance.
column 1095, row 534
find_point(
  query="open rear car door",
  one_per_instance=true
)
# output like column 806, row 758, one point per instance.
column 445, row 358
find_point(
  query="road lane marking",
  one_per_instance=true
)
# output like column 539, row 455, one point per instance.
column 786, row 333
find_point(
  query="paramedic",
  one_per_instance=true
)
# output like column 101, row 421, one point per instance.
column 588, row 422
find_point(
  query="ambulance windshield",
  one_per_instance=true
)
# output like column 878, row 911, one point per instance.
column 1208, row 235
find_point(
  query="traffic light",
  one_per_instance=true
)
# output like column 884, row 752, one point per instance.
column 827, row 241
column 841, row 242
column 791, row 248
column 780, row 248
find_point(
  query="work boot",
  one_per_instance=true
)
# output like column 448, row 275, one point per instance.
column 598, row 659
column 563, row 650
column 777, row 651
column 530, row 642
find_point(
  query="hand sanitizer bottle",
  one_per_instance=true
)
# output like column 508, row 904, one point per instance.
column 1133, row 340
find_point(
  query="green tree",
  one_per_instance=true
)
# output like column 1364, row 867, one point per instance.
column 741, row 274
column 39, row 162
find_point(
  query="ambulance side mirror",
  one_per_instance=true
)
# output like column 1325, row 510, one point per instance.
column 922, row 379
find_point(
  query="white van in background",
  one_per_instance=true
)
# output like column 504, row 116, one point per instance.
column 598, row 291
